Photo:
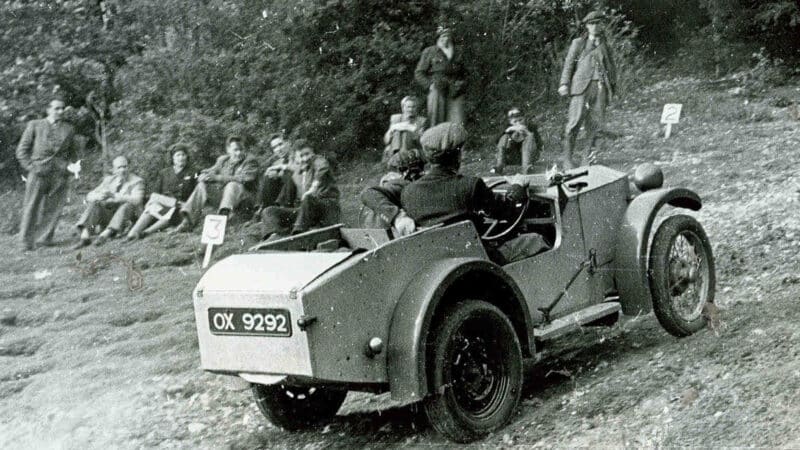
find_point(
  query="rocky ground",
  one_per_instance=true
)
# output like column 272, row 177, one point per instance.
column 85, row 361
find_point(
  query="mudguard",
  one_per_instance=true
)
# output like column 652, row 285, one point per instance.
column 413, row 315
column 632, row 249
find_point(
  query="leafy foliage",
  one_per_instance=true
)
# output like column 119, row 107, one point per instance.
column 143, row 75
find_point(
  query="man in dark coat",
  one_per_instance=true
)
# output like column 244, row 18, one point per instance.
column 233, row 180
column 45, row 149
column 310, row 196
column 441, row 72
column 589, row 78
column 443, row 195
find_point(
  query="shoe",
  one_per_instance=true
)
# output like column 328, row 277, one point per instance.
column 84, row 242
column 497, row 170
column 45, row 243
column 132, row 237
column 100, row 240
column 27, row 247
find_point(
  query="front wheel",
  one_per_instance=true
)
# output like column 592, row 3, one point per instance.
column 475, row 370
column 682, row 275
column 297, row 407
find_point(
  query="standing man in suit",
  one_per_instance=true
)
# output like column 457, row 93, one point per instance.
column 589, row 78
column 45, row 149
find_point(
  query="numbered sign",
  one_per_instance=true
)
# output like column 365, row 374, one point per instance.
column 671, row 113
column 214, row 229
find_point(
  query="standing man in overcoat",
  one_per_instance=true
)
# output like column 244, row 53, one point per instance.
column 45, row 149
column 589, row 78
column 441, row 72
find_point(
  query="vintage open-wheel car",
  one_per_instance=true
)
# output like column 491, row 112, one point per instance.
column 432, row 318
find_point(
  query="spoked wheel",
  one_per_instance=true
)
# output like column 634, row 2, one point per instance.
column 476, row 372
column 682, row 276
column 297, row 407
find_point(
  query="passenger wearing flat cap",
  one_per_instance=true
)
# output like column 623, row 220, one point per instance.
column 520, row 141
column 443, row 195
column 589, row 79
column 441, row 72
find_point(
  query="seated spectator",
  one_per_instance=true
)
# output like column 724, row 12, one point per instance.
column 519, row 140
column 274, row 177
column 382, row 202
column 113, row 204
column 404, row 130
column 173, row 186
column 311, row 196
column 232, row 180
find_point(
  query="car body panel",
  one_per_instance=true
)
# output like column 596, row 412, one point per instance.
column 355, row 300
column 593, row 213
column 413, row 316
column 633, row 240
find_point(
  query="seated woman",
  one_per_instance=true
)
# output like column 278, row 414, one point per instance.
column 173, row 186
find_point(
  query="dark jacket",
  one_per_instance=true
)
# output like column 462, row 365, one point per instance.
column 580, row 64
column 381, row 203
column 46, row 147
column 178, row 185
column 245, row 171
column 449, row 75
column 443, row 196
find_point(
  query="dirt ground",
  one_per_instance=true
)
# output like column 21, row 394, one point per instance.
column 85, row 362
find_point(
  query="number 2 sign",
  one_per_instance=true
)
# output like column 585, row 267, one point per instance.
column 669, row 116
column 671, row 113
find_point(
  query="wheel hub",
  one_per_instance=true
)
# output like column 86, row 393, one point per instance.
column 685, row 276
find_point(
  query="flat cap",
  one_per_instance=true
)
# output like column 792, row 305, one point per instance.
column 593, row 17
column 445, row 138
column 514, row 112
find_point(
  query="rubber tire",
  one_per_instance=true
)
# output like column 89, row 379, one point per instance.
column 293, row 414
column 441, row 407
column 659, row 271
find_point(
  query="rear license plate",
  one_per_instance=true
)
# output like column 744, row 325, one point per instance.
column 250, row 321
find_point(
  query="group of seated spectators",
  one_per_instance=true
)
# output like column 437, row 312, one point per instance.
column 294, row 191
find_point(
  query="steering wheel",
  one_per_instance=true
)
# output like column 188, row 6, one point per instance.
column 491, row 235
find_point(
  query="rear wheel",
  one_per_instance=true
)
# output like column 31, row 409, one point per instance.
column 475, row 370
column 297, row 407
column 682, row 275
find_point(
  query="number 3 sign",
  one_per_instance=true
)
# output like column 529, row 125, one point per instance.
column 214, row 229
column 213, row 234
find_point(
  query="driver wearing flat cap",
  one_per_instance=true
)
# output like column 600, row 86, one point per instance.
column 443, row 195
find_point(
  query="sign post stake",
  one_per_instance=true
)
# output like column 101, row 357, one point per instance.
column 667, row 130
column 213, row 234
column 207, row 257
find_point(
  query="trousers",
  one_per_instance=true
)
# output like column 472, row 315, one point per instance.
column 441, row 108
column 587, row 109
column 527, row 151
column 232, row 195
column 45, row 195
column 313, row 212
column 114, row 216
